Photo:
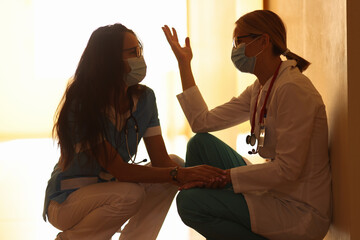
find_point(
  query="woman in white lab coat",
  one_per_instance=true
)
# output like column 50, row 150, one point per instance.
column 289, row 196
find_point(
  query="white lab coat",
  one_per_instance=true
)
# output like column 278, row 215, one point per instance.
column 290, row 196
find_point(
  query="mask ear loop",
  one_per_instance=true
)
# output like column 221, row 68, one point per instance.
column 261, row 50
column 254, row 41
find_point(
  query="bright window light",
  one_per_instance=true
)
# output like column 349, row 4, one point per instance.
column 41, row 44
column 42, row 41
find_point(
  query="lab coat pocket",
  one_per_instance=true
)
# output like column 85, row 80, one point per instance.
column 268, row 151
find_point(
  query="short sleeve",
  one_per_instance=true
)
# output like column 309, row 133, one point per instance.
column 153, row 126
column 154, row 121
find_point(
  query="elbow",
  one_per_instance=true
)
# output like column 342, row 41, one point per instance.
column 290, row 177
column 197, row 129
column 289, row 174
column 199, row 122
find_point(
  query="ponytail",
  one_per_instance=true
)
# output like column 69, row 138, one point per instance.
column 266, row 21
column 301, row 63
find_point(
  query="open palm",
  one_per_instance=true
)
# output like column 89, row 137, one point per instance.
column 181, row 53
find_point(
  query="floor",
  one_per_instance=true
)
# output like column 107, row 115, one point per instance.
column 25, row 166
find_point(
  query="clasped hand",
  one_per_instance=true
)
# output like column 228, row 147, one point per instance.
column 202, row 176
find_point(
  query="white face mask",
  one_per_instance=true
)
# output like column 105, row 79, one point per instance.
column 137, row 71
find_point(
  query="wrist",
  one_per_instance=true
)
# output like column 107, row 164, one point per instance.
column 184, row 61
column 228, row 175
column 174, row 174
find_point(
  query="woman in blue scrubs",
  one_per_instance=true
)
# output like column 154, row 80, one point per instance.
column 98, row 184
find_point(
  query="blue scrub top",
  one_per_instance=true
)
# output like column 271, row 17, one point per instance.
column 146, row 115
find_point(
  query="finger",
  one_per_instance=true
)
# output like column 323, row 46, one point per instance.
column 223, row 184
column 214, row 169
column 201, row 176
column 175, row 35
column 208, row 172
column 216, row 183
column 200, row 173
column 219, row 183
column 166, row 28
column 187, row 42
column 192, row 185
column 204, row 174
column 167, row 33
column 209, row 184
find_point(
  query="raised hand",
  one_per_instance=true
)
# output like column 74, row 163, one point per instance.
column 182, row 54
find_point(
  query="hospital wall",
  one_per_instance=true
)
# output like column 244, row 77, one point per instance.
column 210, row 28
column 326, row 34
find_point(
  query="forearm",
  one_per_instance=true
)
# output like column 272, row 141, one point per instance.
column 110, row 160
column 126, row 172
column 175, row 175
column 145, row 174
column 186, row 75
column 165, row 162
column 157, row 152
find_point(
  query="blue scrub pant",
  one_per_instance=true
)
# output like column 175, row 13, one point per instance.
column 217, row 214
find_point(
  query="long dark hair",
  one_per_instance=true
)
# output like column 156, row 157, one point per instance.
column 97, row 84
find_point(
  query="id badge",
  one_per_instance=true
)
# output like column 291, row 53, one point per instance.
column 261, row 136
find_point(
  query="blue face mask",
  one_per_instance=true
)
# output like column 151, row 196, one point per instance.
column 241, row 61
column 137, row 71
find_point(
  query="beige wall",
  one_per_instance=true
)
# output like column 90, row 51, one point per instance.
column 211, row 44
column 324, row 32
column 210, row 27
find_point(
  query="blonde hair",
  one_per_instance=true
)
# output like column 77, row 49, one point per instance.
column 266, row 21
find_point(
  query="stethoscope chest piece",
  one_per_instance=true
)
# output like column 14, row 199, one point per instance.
column 251, row 139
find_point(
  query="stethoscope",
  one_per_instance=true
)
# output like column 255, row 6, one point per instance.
column 251, row 139
column 136, row 126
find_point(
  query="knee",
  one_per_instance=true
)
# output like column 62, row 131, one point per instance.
column 198, row 147
column 131, row 199
column 197, row 142
column 177, row 159
column 186, row 205
column 198, row 139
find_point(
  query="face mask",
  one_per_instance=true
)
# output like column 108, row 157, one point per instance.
column 241, row 61
column 137, row 72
